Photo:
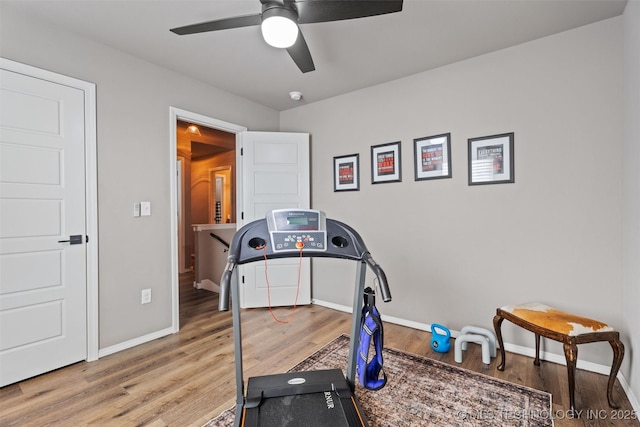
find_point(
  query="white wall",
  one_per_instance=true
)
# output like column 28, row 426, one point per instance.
column 134, row 97
column 453, row 253
column 631, row 193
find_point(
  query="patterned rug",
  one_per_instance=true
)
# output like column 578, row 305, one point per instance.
column 426, row 392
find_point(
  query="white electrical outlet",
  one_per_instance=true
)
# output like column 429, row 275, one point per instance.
column 146, row 296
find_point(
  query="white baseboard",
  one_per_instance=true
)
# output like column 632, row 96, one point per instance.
column 134, row 342
column 630, row 395
column 513, row 348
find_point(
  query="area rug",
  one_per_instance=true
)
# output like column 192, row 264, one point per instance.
column 426, row 392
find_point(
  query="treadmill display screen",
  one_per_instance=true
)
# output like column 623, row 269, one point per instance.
column 298, row 220
column 295, row 229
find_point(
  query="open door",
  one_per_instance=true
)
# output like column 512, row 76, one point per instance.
column 274, row 167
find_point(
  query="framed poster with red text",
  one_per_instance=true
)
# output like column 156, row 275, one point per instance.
column 385, row 163
column 432, row 157
column 346, row 173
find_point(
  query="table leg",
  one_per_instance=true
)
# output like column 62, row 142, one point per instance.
column 536, row 361
column 618, row 355
column 497, row 326
column 571, row 354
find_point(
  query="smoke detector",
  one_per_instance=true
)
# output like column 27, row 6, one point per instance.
column 295, row 95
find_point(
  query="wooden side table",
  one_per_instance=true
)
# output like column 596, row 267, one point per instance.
column 566, row 328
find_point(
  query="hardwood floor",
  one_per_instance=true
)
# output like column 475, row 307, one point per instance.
column 188, row 378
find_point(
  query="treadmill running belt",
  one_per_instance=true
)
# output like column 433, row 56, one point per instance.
column 319, row 398
column 309, row 410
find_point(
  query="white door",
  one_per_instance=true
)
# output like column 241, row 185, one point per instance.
column 275, row 174
column 43, row 305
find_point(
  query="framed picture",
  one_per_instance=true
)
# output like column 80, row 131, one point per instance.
column 432, row 157
column 385, row 163
column 491, row 159
column 346, row 173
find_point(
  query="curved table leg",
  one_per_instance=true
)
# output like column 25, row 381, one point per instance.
column 571, row 354
column 497, row 326
column 618, row 355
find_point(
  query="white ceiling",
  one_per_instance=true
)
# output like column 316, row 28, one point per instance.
column 348, row 55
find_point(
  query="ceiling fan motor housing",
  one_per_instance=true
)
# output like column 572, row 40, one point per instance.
column 274, row 8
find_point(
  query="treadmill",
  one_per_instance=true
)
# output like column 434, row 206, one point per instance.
column 322, row 398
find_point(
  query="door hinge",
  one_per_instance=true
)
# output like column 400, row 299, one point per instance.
column 242, row 151
column 86, row 239
column 242, row 215
column 243, row 280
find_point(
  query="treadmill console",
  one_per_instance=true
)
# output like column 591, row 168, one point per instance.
column 291, row 230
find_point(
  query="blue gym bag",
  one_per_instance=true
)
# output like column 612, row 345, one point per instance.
column 370, row 328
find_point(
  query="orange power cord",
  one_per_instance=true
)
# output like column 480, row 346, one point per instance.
column 266, row 275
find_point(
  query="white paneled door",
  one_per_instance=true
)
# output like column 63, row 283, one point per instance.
column 275, row 175
column 43, row 232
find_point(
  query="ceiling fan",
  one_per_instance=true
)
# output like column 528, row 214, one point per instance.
column 279, row 15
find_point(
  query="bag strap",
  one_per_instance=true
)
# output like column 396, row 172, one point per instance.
column 371, row 328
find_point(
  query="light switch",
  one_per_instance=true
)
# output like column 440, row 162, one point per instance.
column 145, row 208
column 136, row 209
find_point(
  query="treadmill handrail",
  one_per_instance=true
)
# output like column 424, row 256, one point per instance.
column 241, row 252
column 382, row 277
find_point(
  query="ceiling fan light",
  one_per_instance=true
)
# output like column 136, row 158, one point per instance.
column 279, row 31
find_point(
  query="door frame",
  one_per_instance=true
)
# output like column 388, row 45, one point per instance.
column 91, row 189
column 176, row 114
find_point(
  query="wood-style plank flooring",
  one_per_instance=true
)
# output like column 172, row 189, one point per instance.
column 188, row 378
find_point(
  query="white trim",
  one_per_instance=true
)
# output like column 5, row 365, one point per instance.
column 91, row 162
column 331, row 305
column 582, row 364
column 91, row 192
column 557, row 358
column 390, row 319
column 512, row 348
column 174, row 115
column 135, row 342
column 630, row 395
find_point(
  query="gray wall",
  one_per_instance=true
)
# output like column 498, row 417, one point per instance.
column 631, row 194
column 453, row 253
column 134, row 97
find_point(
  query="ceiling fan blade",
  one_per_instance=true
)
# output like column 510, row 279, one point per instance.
column 220, row 24
column 301, row 55
column 310, row 11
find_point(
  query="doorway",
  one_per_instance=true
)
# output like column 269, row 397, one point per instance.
column 207, row 161
column 195, row 156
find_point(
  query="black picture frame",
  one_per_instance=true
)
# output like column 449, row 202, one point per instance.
column 346, row 173
column 432, row 157
column 491, row 159
column 386, row 164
